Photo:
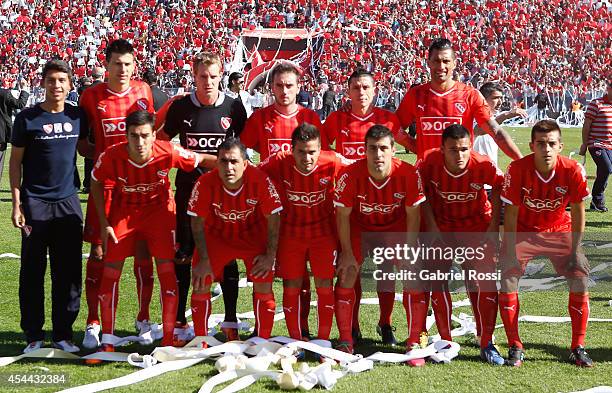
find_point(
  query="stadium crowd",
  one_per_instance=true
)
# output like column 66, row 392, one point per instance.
column 565, row 51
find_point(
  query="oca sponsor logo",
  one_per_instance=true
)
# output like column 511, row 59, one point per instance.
column 203, row 142
column 353, row 149
column 142, row 188
column 452, row 197
column 434, row 125
column 542, row 204
column 114, row 126
column 373, row 208
column 234, row 215
column 278, row 145
column 306, row 199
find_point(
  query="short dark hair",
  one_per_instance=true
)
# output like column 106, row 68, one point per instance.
column 56, row 65
column 234, row 76
column 440, row 44
column 358, row 73
column 231, row 142
column 305, row 132
column 545, row 126
column 284, row 68
column 455, row 131
column 377, row 132
column 489, row 88
column 150, row 77
column 120, row 46
column 139, row 118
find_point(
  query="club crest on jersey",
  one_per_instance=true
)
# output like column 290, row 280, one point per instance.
column 142, row 103
column 400, row 195
column 542, row 204
column 324, row 180
column 251, row 201
column 162, row 173
column 561, row 190
column 372, row 208
column 226, row 122
column 460, row 107
column 476, row 186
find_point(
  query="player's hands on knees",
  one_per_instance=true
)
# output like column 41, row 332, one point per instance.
column 18, row 217
column 509, row 262
column 580, row 262
column 262, row 265
column 201, row 275
column 347, row 264
column 108, row 234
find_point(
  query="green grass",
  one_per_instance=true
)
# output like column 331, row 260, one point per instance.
column 544, row 371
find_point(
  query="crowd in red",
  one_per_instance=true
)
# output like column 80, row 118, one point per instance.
column 557, row 44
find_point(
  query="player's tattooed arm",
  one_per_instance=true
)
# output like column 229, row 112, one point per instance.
column 406, row 140
column 202, row 271
column 578, row 223
column 503, row 139
column 262, row 264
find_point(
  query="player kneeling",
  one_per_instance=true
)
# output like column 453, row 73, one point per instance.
column 235, row 215
column 143, row 209
column 537, row 190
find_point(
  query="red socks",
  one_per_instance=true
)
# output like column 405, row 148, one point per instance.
column 345, row 301
column 442, row 306
column 291, row 308
column 169, row 296
column 143, row 272
column 356, row 305
column 578, row 307
column 201, row 309
column 93, row 279
column 386, row 301
column 325, row 311
column 265, row 308
column 509, row 311
column 415, row 304
column 485, row 315
column 305, row 297
column 109, row 296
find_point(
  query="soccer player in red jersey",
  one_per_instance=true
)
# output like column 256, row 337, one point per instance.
column 443, row 101
column 454, row 178
column 139, row 169
column 348, row 129
column 235, row 215
column 378, row 194
column 305, row 181
column 268, row 131
column 537, row 189
column 107, row 105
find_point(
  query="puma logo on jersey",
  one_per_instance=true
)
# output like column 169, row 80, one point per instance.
column 330, row 306
column 421, row 107
column 188, row 122
column 102, row 108
column 527, row 190
column 361, row 197
column 345, row 132
column 268, row 129
column 287, row 309
column 171, row 292
column 123, row 179
column 287, row 182
column 491, row 299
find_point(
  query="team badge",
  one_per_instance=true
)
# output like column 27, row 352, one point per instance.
column 226, row 122
column 142, row 104
column 460, row 107
column 48, row 128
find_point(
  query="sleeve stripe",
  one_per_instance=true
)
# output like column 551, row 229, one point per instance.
column 189, row 212
column 338, row 204
column 506, row 200
column 93, row 177
column 417, row 203
column 278, row 209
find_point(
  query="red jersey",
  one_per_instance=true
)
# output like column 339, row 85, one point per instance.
column 238, row 216
column 141, row 184
column 542, row 202
column 379, row 206
column 268, row 131
column 434, row 111
column 106, row 111
column 349, row 130
column 459, row 202
column 307, row 197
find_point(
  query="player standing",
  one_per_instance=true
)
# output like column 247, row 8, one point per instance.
column 378, row 194
column 202, row 120
column 107, row 104
column 537, row 189
column 235, row 215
